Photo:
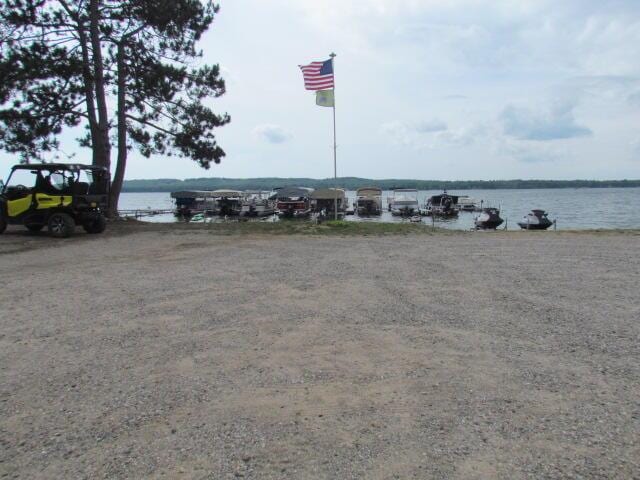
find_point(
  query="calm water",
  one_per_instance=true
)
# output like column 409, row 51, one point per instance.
column 581, row 208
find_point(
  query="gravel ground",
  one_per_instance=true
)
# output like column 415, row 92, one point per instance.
column 181, row 354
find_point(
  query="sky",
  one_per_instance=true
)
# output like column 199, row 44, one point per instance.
column 426, row 89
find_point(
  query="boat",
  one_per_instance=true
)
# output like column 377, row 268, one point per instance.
column 192, row 202
column 257, row 204
column 293, row 202
column 404, row 202
column 489, row 219
column 443, row 205
column 467, row 204
column 368, row 201
column 323, row 200
column 228, row 202
column 535, row 220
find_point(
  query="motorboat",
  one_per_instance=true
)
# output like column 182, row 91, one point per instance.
column 443, row 205
column 323, row 200
column 489, row 219
column 228, row 202
column 535, row 220
column 192, row 202
column 257, row 204
column 293, row 202
column 369, row 201
column 404, row 202
column 467, row 204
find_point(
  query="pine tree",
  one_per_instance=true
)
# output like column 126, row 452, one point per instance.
column 63, row 62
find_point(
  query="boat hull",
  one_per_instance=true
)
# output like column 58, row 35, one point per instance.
column 488, row 225
column 534, row 226
column 294, row 213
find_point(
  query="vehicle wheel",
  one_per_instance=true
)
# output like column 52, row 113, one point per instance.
column 3, row 224
column 95, row 225
column 34, row 227
column 61, row 225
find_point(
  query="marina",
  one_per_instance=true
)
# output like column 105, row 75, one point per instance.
column 572, row 208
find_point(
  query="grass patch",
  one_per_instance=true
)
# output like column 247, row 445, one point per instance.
column 333, row 227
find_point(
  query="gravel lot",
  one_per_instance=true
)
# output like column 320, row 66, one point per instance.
column 169, row 353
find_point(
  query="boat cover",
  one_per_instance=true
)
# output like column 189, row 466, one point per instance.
column 193, row 194
column 369, row 192
column 289, row 192
column 327, row 194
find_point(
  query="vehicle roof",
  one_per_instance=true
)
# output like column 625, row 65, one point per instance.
column 56, row 166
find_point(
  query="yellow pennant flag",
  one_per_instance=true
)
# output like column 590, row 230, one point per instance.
column 324, row 98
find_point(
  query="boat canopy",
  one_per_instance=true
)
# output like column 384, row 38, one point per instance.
column 292, row 192
column 369, row 192
column 193, row 194
column 226, row 193
column 327, row 194
column 437, row 199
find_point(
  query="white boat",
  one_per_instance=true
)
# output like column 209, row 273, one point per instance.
column 404, row 202
column 535, row 220
column 228, row 202
column 323, row 200
column 369, row 201
column 257, row 204
column 467, row 204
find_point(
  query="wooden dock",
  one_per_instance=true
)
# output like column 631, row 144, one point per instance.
column 145, row 212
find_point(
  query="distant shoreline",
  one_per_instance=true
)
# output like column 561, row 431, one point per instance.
column 353, row 183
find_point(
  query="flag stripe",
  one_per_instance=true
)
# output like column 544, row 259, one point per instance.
column 313, row 80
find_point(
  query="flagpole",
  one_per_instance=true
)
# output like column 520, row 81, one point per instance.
column 335, row 147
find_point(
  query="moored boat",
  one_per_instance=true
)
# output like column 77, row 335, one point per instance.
column 489, row 219
column 228, row 202
column 257, row 204
column 192, row 202
column 467, row 204
column 535, row 220
column 293, row 202
column 443, row 205
column 369, row 201
column 404, row 202
column 323, row 200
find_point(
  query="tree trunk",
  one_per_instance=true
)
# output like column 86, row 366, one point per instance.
column 118, row 178
column 97, row 144
column 103, row 158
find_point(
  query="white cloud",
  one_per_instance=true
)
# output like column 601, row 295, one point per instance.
column 430, row 126
column 530, row 152
column 554, row 123
column 412, row 134
column 272, row 133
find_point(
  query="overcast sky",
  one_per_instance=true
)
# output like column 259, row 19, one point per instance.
column 429, row 89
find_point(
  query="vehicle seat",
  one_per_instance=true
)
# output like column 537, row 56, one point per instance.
column 80, row 188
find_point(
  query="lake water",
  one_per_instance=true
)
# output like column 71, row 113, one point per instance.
column 582, row 208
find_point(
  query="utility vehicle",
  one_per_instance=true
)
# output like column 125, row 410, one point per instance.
column 56, row 195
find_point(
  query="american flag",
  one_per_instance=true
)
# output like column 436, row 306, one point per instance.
column 318, row 75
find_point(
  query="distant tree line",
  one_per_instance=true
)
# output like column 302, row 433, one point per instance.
column 353, row 183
